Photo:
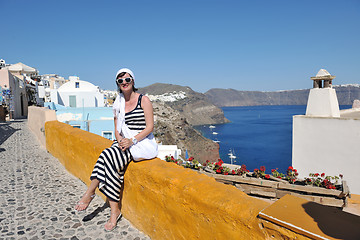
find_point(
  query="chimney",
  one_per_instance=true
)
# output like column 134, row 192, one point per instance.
column 322, row 101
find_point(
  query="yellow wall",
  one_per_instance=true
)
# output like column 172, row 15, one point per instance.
column 164, row 200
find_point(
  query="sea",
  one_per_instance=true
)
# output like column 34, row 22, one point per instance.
column 257, row 135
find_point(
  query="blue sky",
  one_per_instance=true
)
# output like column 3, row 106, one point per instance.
column 244, row 45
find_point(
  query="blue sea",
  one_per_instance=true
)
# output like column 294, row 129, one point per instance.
column 257, row 135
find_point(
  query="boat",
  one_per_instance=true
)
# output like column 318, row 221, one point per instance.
column 212, row 126
column 232, row 156
column 215, row 133
column 217, row 141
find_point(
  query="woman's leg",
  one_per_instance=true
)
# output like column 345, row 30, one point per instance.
column 88, row 196
column 114, row 216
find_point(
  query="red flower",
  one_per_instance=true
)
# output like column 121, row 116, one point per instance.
column 295, row 170
column 204, row 164
column 176, row 162
column 233, row 171
column 340, row 175
column 207, row 161
column 255, row 170
column 172, row 158
column 323, row 175
column 262, row 168
column 290, row 168
column 226, row 173
column 218, row 170
column 272, row 170
column 279, row 177
column 316, row 174
column 267, row 176
column 191, row 158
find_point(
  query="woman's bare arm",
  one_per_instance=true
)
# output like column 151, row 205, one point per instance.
column 117, row 134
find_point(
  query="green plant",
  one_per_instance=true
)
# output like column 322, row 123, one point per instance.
column 321, row 180
column 276, row 174
column 172, row 159
column 242, row 170
column 291, row 175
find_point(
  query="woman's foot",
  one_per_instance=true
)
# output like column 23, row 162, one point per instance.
column 112, row 223
column 84, row 201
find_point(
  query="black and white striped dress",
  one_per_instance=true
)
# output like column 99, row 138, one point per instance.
column 112, row 162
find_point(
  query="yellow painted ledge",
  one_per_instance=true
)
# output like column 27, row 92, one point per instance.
column 164, row 200
column 355, row 199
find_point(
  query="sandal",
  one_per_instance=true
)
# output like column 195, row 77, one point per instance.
column 115, row 225
column 85, row 204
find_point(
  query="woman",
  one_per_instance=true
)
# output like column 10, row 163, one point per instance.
column 134, row 123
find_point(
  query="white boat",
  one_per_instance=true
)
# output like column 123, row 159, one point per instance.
column 217, row 141
column 215, row 133
column 212, row 126
column 232, row 156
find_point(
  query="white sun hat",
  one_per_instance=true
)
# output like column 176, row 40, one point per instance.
column 125, row 70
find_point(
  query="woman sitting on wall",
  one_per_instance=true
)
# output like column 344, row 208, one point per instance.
column 134, row 123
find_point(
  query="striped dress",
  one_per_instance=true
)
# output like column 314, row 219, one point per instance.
column 112, row 162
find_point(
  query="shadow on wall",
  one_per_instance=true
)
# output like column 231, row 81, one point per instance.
column 333, row 221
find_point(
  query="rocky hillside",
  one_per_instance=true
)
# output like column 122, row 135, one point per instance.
column 193, row 106
column 346, row 94
column 172, row 128
column 229, row 97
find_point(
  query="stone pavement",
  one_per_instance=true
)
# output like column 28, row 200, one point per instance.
column 38, row 195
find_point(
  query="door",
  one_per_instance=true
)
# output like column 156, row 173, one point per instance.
column 72, row 101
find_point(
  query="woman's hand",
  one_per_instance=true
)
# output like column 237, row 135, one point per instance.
column 125, row 144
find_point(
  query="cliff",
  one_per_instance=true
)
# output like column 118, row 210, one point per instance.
column 171, row 128
column 176, row 109
column 194, row 106
column 230, row 97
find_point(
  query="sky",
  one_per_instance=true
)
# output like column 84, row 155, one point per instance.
column 244, row 45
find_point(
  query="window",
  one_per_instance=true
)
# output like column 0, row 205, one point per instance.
column 77, row 85
column 107, row 134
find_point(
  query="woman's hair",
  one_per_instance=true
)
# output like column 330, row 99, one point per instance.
column 121, row 75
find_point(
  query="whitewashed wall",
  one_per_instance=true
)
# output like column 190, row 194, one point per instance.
column 87, row 94
column 167, row 150
column 329, row 145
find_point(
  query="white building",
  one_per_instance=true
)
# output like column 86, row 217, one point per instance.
column 326, row 140
column 168, row 150
column 49, row 81
column 53, row 81
column 77, row 93
column 20, row 69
